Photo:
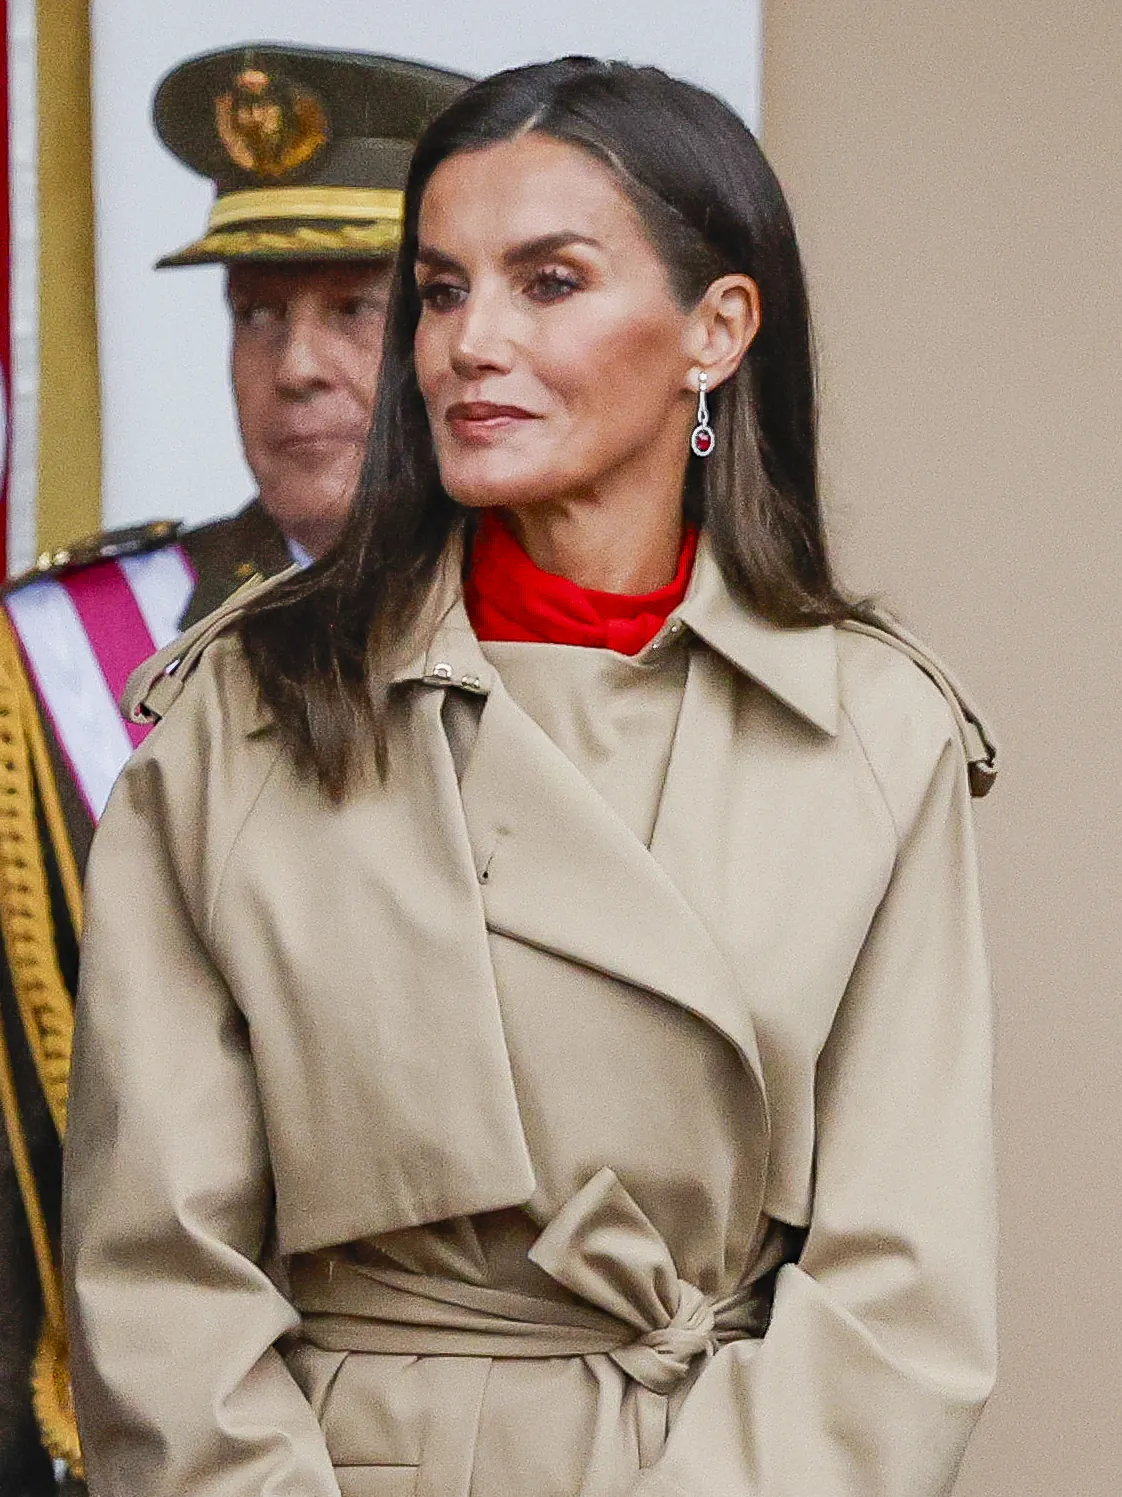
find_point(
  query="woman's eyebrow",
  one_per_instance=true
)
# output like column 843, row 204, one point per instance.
column 546, row 245
column 531, row 251
column 434, row 259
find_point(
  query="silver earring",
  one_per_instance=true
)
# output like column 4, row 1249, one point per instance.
column 702, row 440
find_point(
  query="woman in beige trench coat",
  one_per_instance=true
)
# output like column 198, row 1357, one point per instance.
column 515, row 1068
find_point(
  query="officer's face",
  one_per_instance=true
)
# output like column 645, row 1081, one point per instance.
column 551, row 352
column 307, row 347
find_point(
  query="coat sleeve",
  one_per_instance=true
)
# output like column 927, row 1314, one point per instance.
column 880, row 1351
column 179, row 1388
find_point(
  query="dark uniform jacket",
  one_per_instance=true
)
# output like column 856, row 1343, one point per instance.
column 59, row 636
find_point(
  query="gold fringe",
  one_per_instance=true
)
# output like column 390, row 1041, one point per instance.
column 50, row 1376
column 69, row 485
column 54, row 1404
column 44, row 1003
column 29, row 1188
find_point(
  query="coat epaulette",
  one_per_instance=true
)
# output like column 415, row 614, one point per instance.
column 154, row 686
column 105, row 545
column 978, row 741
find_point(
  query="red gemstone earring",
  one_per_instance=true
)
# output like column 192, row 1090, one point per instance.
column 702, row 440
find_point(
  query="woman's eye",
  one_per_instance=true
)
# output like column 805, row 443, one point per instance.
column 440, row 296
column 553, row 285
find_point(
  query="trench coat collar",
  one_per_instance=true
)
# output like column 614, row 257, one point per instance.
column 798, row 666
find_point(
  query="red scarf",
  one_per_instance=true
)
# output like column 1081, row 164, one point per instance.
column 508, row 597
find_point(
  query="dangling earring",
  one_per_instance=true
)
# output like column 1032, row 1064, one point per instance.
column 702, row 440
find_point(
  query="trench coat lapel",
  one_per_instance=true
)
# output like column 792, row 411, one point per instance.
column 560, row 871
column 797, row 671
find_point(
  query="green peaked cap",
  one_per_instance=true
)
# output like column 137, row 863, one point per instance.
column 308, row 148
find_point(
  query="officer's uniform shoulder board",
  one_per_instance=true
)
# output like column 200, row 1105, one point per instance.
column 106, row 545
column 154, row 686
column 978, row 740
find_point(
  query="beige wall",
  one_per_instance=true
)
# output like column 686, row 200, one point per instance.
column 954, row 170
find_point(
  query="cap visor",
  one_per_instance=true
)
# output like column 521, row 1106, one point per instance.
column 277, row 242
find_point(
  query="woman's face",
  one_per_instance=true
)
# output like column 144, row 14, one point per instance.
column 551, row 353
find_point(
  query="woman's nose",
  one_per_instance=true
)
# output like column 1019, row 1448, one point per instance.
column 483, row 334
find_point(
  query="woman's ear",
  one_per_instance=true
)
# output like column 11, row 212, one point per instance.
column 722, row 327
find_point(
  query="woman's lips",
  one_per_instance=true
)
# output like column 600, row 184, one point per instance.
column 480, row 420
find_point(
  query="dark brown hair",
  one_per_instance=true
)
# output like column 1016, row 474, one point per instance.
column 322, row 647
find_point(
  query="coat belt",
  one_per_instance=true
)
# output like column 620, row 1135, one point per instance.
column 630, row 1303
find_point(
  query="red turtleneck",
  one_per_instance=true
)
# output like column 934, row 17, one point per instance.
column 509, row 597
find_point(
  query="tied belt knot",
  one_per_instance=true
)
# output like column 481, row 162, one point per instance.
column 661, row 1358
column 629, row 1302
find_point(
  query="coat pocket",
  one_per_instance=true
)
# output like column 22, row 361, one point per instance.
column 374, row 1414
column 371, row 1410
column 389, row 1421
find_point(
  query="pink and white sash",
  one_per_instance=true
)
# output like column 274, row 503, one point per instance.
column 82, row 636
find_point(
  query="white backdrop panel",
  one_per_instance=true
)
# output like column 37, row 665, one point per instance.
column 170, row 443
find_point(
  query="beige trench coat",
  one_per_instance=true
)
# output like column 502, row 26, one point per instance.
column 296, row 1031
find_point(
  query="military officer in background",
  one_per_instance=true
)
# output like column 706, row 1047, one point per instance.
column 308, row 150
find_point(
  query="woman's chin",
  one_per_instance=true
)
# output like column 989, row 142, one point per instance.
column 494, row 490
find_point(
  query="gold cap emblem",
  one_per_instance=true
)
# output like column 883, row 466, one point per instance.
column 268, row 124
